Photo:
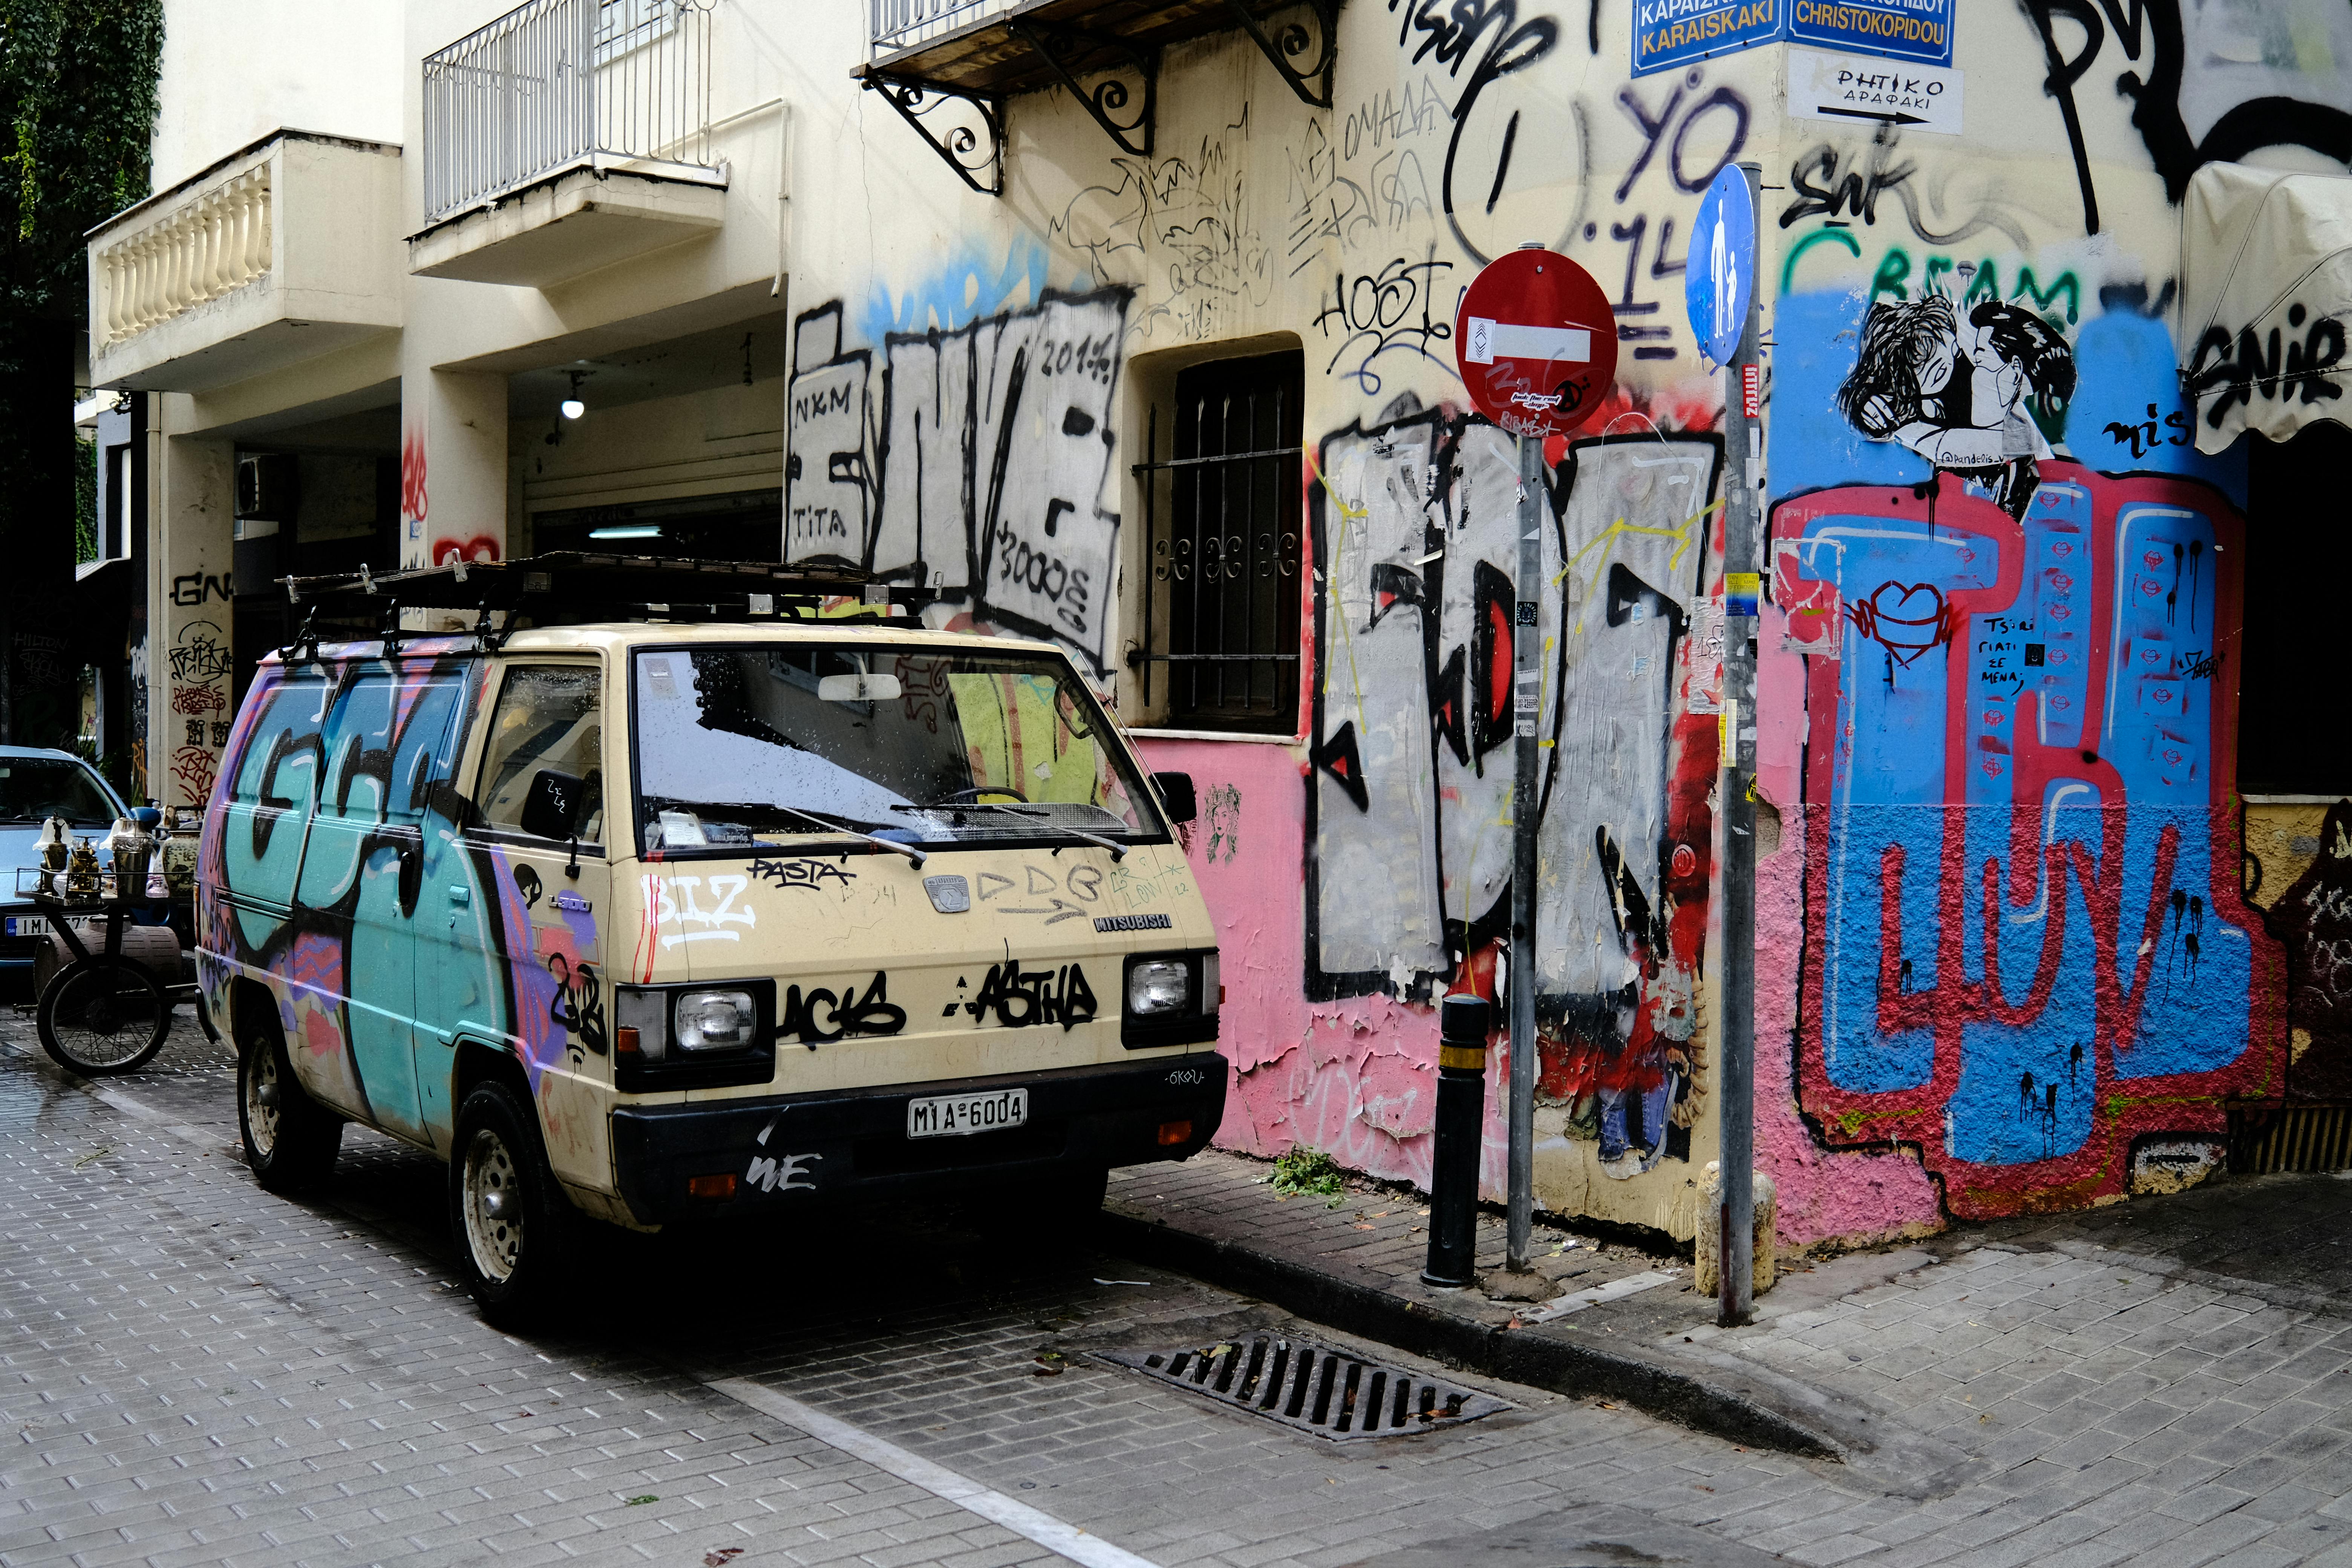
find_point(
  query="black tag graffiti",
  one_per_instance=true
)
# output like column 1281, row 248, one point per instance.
column 1038, row 996
column 801, row 873
column 872, row 1013
column 579, row 1001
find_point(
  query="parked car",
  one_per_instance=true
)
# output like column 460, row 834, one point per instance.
column 660, row 924
column 36, row 784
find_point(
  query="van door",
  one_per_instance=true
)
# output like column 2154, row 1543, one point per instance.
column 362, row 874
column 265, row 823
column 520, row 956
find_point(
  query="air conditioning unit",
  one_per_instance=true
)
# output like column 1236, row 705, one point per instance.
column 268, row 485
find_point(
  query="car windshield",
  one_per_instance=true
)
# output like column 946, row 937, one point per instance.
column 749, row 745
column 33, row 789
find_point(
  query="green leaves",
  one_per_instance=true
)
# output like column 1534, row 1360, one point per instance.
column 77, row 93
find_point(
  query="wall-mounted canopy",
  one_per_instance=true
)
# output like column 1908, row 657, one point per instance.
column 2265, row 297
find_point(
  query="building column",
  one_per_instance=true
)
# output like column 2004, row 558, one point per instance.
column 189, row 671
column 453, row 467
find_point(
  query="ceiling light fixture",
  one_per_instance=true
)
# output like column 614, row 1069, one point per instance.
column 640, row 531
column 573, row 406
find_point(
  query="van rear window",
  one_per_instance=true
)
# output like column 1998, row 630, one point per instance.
column 746, row 745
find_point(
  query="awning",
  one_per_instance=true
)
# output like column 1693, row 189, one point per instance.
column 2265, row 297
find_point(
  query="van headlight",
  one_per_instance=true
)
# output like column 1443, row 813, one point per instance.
column 693, row 1036
column 714, row 1020
column 1159, row 987
column 1172, row 999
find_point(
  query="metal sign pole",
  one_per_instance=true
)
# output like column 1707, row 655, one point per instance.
column 1536, row 351
column 1735, row 798
column 1527, row 662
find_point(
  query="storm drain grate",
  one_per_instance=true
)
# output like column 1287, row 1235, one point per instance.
column 1313, row 1387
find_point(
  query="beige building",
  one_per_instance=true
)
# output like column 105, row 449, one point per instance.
column 1131, row 325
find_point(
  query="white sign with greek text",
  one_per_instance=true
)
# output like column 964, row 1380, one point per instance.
column 1867, row 90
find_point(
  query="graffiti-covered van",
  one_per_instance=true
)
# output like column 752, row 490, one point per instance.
column 653, row 922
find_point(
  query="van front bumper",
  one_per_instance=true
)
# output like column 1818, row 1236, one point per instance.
column 800, row 1149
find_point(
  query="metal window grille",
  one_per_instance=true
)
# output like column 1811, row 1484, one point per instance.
column 558, row 82
column 1222, row 529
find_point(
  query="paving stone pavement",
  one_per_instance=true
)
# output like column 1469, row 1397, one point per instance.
column 198, row 1372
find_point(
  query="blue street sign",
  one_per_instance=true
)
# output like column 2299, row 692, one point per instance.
column 1908, row 29
column 1720, row 277
column 1678, row 32
column 1671, row 32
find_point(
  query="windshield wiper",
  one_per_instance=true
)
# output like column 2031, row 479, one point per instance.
column 1118, row 850
column 967, row 805
column 747, row 807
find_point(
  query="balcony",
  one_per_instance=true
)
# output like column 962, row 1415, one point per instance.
column 566, row 136
column 278, row 253
column 949, row 66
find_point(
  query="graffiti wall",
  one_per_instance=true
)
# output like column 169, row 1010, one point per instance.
column 2014, row 958
column 2008, row 961
column 967, row 412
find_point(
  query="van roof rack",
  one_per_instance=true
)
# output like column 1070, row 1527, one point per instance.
column 580, row 586
column 570, row 588
column 561, row 580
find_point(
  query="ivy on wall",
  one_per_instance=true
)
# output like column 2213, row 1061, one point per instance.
column 78, row 106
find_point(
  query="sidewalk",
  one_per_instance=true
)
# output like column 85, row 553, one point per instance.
column 2184, row 1354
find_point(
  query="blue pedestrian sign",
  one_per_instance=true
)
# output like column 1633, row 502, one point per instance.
column 1720, row 279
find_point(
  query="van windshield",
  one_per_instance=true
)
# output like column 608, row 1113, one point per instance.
column 759, row 745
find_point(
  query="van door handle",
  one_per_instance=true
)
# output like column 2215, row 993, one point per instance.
column 461, row 897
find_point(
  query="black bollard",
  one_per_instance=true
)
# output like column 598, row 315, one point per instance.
column 1462, row 1023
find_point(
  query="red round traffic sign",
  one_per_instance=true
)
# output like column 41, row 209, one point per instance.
column 1535, row 343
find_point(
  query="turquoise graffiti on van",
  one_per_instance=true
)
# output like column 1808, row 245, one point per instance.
column 349, row 890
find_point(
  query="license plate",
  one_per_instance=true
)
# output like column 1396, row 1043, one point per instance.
column 38, row 925
column 956, row 1115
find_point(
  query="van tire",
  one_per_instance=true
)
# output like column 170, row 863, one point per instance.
column 514, row 1229
column 290, row 1139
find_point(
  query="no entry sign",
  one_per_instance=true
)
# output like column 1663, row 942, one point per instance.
column 1535, row 343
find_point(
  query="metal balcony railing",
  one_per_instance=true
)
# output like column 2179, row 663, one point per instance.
column 559, row 82
column 894, row 26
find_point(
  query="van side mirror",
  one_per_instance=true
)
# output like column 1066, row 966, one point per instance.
column 1176, row 789
column 552, row 809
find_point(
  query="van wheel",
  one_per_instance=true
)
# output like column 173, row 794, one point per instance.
column 290, row 1139
column 512, row 1224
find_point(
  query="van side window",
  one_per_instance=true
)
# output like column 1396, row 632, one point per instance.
column 548, row 716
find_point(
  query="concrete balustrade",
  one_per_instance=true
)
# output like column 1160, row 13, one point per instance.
column 218, row 242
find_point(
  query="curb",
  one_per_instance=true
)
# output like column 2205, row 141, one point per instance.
column 1524, row 1356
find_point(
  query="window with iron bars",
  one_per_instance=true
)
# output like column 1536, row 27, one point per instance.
column 1221, row 535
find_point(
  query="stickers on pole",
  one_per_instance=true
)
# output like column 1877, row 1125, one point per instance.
column 1535, row 343
column 1856, row 89
column 1719, row 278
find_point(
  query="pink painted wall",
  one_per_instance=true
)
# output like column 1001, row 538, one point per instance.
column 1357, row 1078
